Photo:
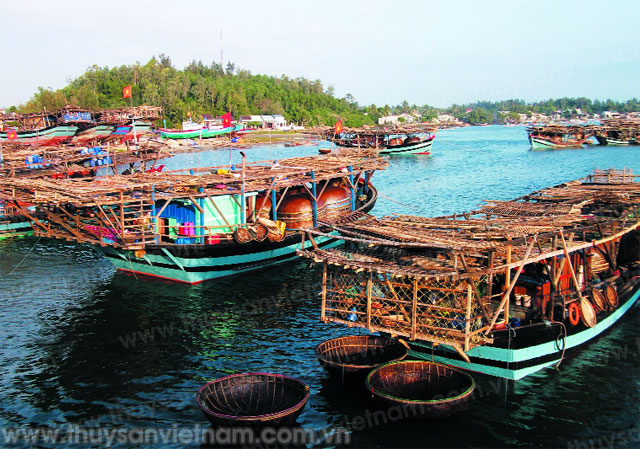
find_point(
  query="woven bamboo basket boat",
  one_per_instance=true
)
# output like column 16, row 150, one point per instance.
column 355, row 356
column 587, row 313
column 598, row 300
column 612, row 296
column 426, row 390
column 253, row 400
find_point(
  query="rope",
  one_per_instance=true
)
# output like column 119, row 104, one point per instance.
column 410, row 206
column 25, row 256
column 564, row 342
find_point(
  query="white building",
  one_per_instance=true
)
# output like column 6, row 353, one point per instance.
column 395, row 119
column 275, row 121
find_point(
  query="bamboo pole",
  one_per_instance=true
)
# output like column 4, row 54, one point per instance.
column 467, row 324
column 505, row 297
column 414, row 309
column 573, row 274
column 369, row 288
column 323, row 309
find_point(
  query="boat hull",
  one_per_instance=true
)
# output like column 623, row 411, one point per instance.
column 423, row 147
column 193, row 264
column 48, row 136
column 617, row 142
column 540, row 345
column 195, row 134
column 538, row 143
column 21, row 228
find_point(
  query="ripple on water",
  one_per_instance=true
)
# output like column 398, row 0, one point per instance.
column 83, row 344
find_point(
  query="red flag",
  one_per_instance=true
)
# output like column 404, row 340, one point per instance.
column 11, row 135
column 338, row 126
column 226, row 120
column 126, row 91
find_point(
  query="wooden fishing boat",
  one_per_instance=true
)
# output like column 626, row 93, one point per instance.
column 125, row 133
column 51, row 135
column 12, row 223
column 93, row 135
column 617, row 132
column 506, row 289
column 254, row 400
column 557, row 136
column 204, row 133
column 355, row 356
column 409, row 139
column 425, row 389
column 190, row 228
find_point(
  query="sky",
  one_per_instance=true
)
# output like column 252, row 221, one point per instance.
column 383, row 52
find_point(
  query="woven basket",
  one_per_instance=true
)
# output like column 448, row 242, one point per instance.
column 253, row 400
column 587, row 313
column 598, row 300
column 612, row 296
column 358, row 354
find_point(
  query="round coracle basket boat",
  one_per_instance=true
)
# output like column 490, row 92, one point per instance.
column 253, row 400
column 425, row 390
column 355, row 356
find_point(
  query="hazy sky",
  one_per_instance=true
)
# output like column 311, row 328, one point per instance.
column 382, row 52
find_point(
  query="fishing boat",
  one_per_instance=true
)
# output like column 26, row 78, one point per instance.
column 409, row 139
column 507, row 289
column 617, row 132
column 51, row 135
column 129, row 132
column 93, row 135
column 12, row 223
column 215, row 222
column 203, row 133
column 558, row 136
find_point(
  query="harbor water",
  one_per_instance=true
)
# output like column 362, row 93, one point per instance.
column 86, row 346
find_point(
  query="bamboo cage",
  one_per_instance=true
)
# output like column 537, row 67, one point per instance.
column 74, row 114
column 56, row 161
column 449, row 280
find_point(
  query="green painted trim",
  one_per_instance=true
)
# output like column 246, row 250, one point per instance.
column 173, row 259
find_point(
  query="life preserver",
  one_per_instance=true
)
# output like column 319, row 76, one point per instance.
column 574, row 314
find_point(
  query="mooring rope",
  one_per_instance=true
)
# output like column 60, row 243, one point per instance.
column 410, row 206
column 25, row 256
column 564, row 342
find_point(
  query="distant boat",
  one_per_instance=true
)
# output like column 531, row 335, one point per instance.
column 414, row 139
column 557, row 136
column 203, row 133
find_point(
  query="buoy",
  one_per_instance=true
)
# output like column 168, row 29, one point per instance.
column 574, row 314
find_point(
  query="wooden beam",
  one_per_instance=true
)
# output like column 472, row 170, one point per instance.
column 513, row 283
column 573, row 274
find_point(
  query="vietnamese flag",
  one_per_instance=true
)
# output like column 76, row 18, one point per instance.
column 338, row 126
column 12, row 135
column 226, row 120
column 126, row 91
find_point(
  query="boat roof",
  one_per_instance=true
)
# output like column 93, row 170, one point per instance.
column 187, row 183
column 374, row 131
column 496, row 236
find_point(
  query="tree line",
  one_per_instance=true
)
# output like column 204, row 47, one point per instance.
column 212, row 89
